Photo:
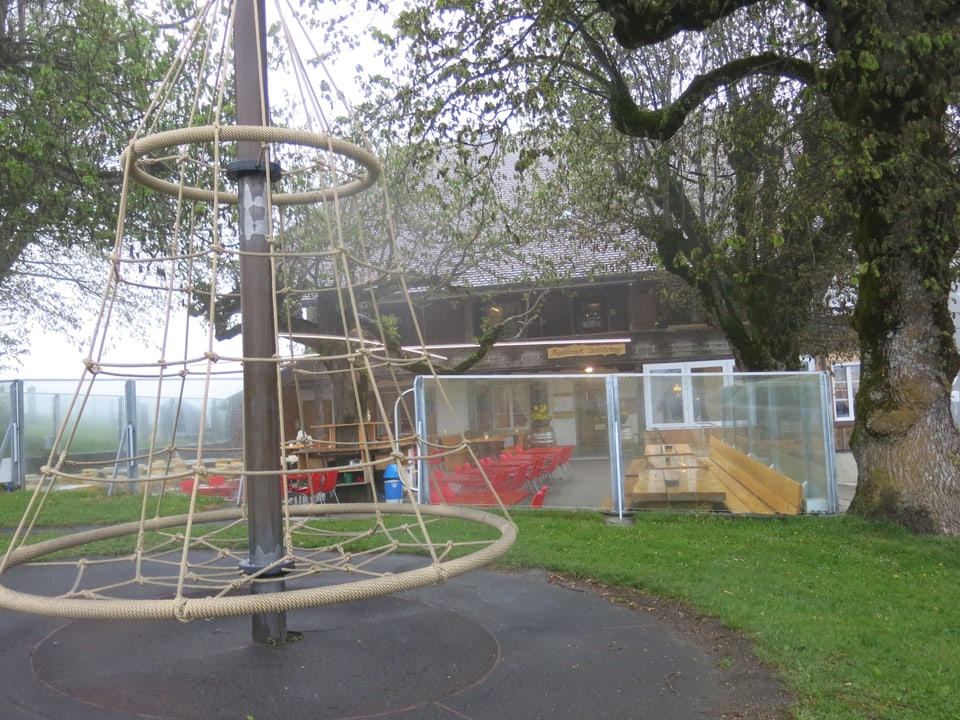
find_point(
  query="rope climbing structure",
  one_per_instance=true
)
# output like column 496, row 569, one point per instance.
column 286, row 225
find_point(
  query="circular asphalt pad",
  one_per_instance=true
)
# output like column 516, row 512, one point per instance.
column 374, row 657
column 484, row 646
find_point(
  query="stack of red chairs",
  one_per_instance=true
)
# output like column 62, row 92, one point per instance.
column 508, row 479
column 312, row 487
column 555, row 461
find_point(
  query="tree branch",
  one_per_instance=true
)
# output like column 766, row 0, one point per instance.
column 632, row 120
column 646, row 22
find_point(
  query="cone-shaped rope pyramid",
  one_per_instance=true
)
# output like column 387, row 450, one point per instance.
column 231, row 212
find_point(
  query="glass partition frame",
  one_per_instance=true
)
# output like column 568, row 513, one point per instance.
column 781, row 420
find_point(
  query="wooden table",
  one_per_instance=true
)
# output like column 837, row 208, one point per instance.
column 478, row 447
column 672, row 462
column 672, row 479
column 667, row 449
column 486, row 446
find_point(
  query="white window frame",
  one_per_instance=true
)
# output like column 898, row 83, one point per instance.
column 849, row 385
column 683, row 370
column 517, row 400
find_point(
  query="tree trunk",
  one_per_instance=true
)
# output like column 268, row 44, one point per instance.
column 893, row 94
column 904, row 441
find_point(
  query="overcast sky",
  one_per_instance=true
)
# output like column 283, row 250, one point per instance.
column 53, row 356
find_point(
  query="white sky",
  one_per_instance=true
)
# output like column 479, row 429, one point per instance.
column 54, row 356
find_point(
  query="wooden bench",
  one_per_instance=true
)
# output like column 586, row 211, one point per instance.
column 752, row 486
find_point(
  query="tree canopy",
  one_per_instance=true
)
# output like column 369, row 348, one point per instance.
column 545, row 81
column 76, row 78
column 883, row 77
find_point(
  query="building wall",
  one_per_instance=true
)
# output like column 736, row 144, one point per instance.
column 618, row 326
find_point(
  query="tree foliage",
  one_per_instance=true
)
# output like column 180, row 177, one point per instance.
column 75, row 78
column 887, row 70
column 550, row 79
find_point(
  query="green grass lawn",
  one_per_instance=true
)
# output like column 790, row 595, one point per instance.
column 862, row 619
column 75, row 508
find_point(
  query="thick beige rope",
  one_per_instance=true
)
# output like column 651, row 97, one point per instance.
column 138, row 149
column 182, row 608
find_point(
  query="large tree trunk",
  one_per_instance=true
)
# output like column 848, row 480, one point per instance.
column 905, row 443
column 907, row 193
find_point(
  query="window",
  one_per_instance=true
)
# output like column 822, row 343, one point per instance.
column 510, row 404
column 592, row 315
column 556, row 315
column 618, row 315
column 503, row 310
column 684, row 394
column 846, row 382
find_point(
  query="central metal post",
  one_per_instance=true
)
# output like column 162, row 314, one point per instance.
column 261, row 407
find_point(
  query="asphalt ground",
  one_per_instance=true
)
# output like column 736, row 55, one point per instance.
column 483, row 646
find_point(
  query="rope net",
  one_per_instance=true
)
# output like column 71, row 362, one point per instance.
column 331, row 253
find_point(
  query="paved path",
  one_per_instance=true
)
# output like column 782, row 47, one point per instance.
column 485, row 646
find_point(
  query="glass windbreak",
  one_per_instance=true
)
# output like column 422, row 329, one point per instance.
column 515, row 440
column 694, row 440
column 784, row 423
column 104, row 431
column 684, row 440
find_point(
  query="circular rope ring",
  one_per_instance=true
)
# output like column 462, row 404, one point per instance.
column 214, row 133
column 237, row 605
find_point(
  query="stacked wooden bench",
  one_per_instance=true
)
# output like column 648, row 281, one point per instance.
column 752, row 487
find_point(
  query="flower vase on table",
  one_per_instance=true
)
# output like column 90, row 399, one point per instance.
column 541, row 434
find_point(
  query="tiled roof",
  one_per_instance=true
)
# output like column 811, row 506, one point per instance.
column 512, row 250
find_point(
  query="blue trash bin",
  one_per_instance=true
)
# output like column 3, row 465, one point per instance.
column 392, row 485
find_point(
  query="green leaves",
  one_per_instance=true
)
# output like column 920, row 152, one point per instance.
column 866, row 60
column 74, row 81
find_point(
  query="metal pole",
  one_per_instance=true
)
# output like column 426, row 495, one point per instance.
column 396, row 420
column 261, row 406
column 128, row 438
column 13, row 438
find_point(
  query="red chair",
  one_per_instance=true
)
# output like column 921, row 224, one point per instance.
column 535, row 474
column 563, row 462
column 328, row 485
column 551, row 461
column 298, row 486
column 318, row 484
column 440, row 491
column 537, row 500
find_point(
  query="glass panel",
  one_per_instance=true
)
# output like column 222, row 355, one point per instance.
column 560, row 435
column 102, row 425
column 666, row 393
column 706, row 395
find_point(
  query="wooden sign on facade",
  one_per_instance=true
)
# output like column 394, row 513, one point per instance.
column 582, row 350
